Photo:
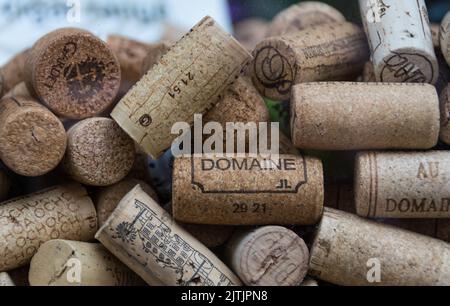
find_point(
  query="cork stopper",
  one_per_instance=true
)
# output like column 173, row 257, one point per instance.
column 445, row 115
column 61, row 212
column 20, row 90
column 269, row 256
column 98, row 153
column 74, row 73
column 33, row 139
column 13, row 72
column 189, row 79
column 445, row 37
column 358, row 116
column 99, row 267
column 154, row 54
column 329, row 52
column 5, row 280
column 250, row 32
column 435, row 29
column 302, row 16
column 368, row 73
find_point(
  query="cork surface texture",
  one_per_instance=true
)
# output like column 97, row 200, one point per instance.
column 445, row 115
column 444, row 36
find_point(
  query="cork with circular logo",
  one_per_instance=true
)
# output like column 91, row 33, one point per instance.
column 33, row 139
column 268, row 256
column 445, row 115
column 444, row 36
column 99, row 153
column 74, row 73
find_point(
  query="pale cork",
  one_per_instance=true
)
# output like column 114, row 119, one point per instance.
column 444, row 37
column 13, row 72
column 268, row 256
column 98, row 153
column 309, row 282
column 61, row 212
column 20, row 90
column 5, row 185
column 56, row 260
column 400, row 41
column 33, row 138
column 107, row 198
column 156, row 51
column 145, row 237
column 329, row 52
column 346, row 247
column 356, row 116
column 249, row 32
column 445, row 115
column 74, row 73
column 189, row 79
column 302, row 16
column 248, row 190
column 5, row 280
column 403, row 184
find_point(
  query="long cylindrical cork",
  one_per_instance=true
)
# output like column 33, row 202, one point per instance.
column 302, row 16
column 5, row 280
column 72, row 263
column 33, row 139
column 189, row 79
column 143, row 236
column 61, row 212
column 74, row 73
column 356, row 116
column 98, row 153
column 349, row 250
column 108, row 198
column 444, row 36
column 400, row 41
column 403, row 185
column 445, row 115
column 330, row 52
column 268, row 256
column 13, row 72
column 247, row 190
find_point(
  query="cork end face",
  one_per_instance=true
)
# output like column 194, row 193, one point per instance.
column 364, row 182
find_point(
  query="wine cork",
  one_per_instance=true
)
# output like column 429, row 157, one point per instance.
column 250, row 32
column 143, row 236
column 61, row 212
column 329, row 52
column 268, row 256
column 74, row 73
column 403, row 184
column 400, row 41
column 368, row 73
column 97, row 266
column 357, row 116
column 248, row 191
column 445, row 115
column 347, row 249
column 33, row 138
column 302, row 16
column 108, row 198
column 309, row 282
column 444, row 36
column 13, row 72
column 427, row 227
column 98, row 153
column 435, row 31
column 20, row 90
column 189, row 79
column 5, row 280
column 156, row 51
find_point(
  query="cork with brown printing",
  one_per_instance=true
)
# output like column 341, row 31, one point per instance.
column 13, row 72
column 189, row 79
column 444, row 37
column 5, row 280
column 134, row 233
column 61, row 212
column 445, row 115
column 348, row 249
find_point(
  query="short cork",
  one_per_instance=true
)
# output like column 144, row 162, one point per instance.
column 74, row 73
column 98, row 153
column 444, row 36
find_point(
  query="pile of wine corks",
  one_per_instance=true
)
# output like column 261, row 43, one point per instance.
column 359, row 194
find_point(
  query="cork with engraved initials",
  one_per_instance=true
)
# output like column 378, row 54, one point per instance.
column 400, row 41
column 268, row 256
column 357, row 116
column 61, row 212
column 13, row 72
column 74, row 73
column 237, row 190
column 445, row 115
column 33, row 139
column 189, row 79
column 98, row 267
column 444, row 37
column 144, row 236
column 329, row 52
column 5, row 280
column 403, row 184
column 352, row 251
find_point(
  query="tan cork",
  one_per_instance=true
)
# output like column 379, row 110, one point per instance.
column 248, row 191
column 356, row 116
column 347, row 247
column 444, row 36
column 309, row 282
column 189, row 79
column 156, row 51
column 33, row 138
column 302, row 16
column 146, row 238
column 329, row 52
column 268, row 256
column 435, row 31
column 61, row 212
column 98, row 153
column 403, row 184
column 107, row 198
column 250, row 32
column 5, row 280
column 13, row 72
column 368, row 73
column 400, row 41
column 445, row 115
column 98, row 267
column 74, row 73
